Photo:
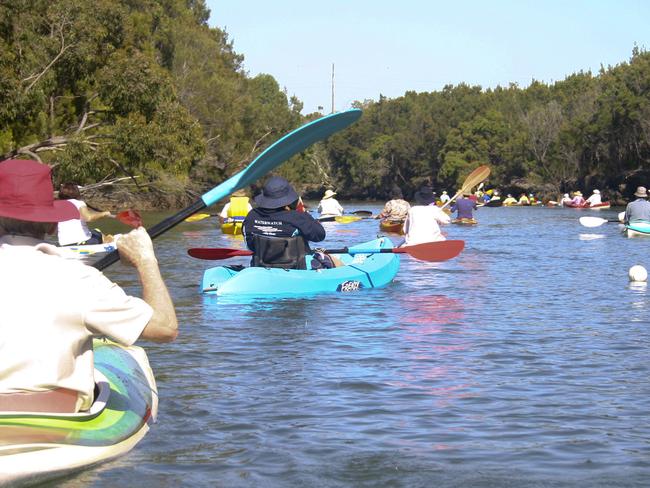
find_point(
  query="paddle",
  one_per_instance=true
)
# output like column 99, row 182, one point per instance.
column 199, row 216
column 428, row 251
column 289, row 145
column 596, row 221
column 130, row 217
column 474, row 178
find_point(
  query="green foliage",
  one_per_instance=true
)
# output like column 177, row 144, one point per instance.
column 106, row 88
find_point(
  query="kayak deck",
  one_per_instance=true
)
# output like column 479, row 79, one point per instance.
column 395, row 227
column 35, row 447
column 359, row 271
column 637, row 229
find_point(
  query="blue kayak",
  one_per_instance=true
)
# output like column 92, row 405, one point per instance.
column 359, row 271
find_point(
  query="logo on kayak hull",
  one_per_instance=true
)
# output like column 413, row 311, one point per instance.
column 347, row 286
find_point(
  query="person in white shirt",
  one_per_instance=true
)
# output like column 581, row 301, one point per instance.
column 444, row 198
column 421, row 224
column 595, row 198
column 46, row 337
column 76, row 231
column 329, row 206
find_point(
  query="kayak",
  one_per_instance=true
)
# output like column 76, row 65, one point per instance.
column 359, row 271
column 494, row 203
column 88, row 249
column 233, row 228
column 395, row 227
column 465, row 221
column 597, row 206
column 36, row 447
column 637, row 229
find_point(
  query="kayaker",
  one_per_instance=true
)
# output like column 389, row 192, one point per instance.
column 566, row 199
column 639, row 209
column 52, row 307
column 495, row 196
column 523, row 200
column 396, row 209
column 444, row 198
column 577, row 200
column 76, row 231
column 595, row 198
column 329, row 206
column 422, row 221
column 276, row 232
column 237, row 208
column 510, row 200
column 464, row 207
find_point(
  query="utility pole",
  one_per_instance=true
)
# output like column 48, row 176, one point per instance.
column 332, row 87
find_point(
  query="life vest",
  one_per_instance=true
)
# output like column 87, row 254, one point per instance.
column 279, row 252
column 238, row 207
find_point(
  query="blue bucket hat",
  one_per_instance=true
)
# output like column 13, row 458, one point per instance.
column 277, row 192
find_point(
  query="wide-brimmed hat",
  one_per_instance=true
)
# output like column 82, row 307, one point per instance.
column 597, row 192
column 425, row 196
column 577, row 193
column 641, row 192
column 277, row 192
column 26, row 193
column 329, row 194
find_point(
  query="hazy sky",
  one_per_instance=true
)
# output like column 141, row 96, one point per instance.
column 389, row 47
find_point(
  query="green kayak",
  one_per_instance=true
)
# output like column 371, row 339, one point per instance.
column 36, row 447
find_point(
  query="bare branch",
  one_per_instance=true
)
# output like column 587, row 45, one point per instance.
column 38, row 76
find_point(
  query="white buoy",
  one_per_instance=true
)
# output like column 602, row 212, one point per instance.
column 638, row 273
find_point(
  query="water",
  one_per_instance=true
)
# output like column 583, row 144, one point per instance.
column 522, row 362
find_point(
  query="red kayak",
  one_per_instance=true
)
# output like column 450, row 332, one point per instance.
column 597, row 206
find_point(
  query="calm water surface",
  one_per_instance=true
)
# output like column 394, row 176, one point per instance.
column 523, row 362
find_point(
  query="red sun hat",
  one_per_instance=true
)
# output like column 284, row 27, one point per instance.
column 26, row 193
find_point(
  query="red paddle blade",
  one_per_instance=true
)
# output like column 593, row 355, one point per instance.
column 130, row 217
column 217, row 252
column 433, row 251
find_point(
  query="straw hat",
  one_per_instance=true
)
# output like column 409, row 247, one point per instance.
column 577, row 193
column 641, row 192
column 26, row 193
column 329, row 194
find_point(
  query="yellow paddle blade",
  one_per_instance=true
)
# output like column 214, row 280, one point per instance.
column 197, row 217
column 474, row 178
column 346, row 219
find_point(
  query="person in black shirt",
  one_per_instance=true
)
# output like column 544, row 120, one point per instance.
column 276, row 232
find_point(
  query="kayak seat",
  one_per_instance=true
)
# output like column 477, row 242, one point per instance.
column 279, row 252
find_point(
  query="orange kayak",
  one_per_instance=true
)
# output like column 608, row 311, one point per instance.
column 395, row 227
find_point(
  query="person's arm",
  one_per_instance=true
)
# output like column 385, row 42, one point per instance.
column 136, row 249
column 223, row 215
column 90, row 215
column 309, row 227
column 385, row 212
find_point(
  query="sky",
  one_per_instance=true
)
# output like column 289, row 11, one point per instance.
column 382, row 47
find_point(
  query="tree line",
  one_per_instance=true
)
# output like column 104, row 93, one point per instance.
column 143, row 97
